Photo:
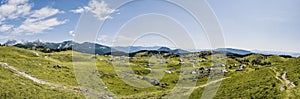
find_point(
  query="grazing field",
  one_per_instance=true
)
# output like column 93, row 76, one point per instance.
column 24, row 73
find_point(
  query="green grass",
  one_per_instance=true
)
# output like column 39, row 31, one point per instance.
column 16, row 86
column 257, row 84
column 257, row 81
column 40, row 66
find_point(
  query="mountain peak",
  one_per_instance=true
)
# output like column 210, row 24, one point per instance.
column 39, row 41
column 14, row 42
column 233, row 51
column 164, row 49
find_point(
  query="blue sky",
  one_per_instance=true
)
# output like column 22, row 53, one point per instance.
column 248, row 24
column 260, row 24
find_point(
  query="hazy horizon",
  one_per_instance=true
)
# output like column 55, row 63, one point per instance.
column 173, row 48
column 270, row 25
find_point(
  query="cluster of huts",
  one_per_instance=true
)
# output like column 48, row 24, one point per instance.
column 196, row 72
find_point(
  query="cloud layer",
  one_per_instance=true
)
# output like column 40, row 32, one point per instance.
column 32, row 21
column 99, row 8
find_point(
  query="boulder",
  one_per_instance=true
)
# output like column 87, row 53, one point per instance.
column 155, row 83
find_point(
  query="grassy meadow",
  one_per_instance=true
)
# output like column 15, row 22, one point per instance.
column 262, row 77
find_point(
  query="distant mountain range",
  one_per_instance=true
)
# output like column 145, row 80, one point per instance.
column 88, row 47
column 95, row 48
column 85, row 47
column 14, row 42
column 132, row 49
column 245, row 52
column 233, row 51
column 293, row 54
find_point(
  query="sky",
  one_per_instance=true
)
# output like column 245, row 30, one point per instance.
column 271, row 25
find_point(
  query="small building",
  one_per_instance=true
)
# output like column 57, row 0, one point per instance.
column 148, row 69
column 203, row 60
column 235, row 65
column 241, row 68
column 194, row 72
column 168, row 72
column 182, row 62
column 224, row 71
column 149, row 64
column 223, row 65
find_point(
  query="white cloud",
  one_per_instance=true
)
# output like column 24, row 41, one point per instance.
column 17, row 1
column 72, row 33
column 102, row 39
column 8, row 9
column 32, row 21
column 34, row 27
column 4, row 27
column 100, row 10
column 44, row 13
column 79, row 10
column 14, row 9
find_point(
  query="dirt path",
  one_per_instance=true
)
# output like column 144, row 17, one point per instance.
column 24, row 74
column 277, row 76
column 283, row 78
column 212, row 82
column 285, row 83
column 189, row 90
column 186, row 90
column 36, row 80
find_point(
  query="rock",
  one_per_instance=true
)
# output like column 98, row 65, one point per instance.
column 105, row 88
column 172, row 69
column 203, row 60
column 167, row 61
column 183, row 71
column 282, row 88
column 194, row 80
column 145, row 78
column 94, row 57
column 57, row 66
column 36, row 54
column 98, row 75
column 163, row 86
column 199, row 77
column 155, row 83
column 194, row 58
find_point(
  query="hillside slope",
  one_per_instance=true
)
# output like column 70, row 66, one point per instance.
column 33, row 74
